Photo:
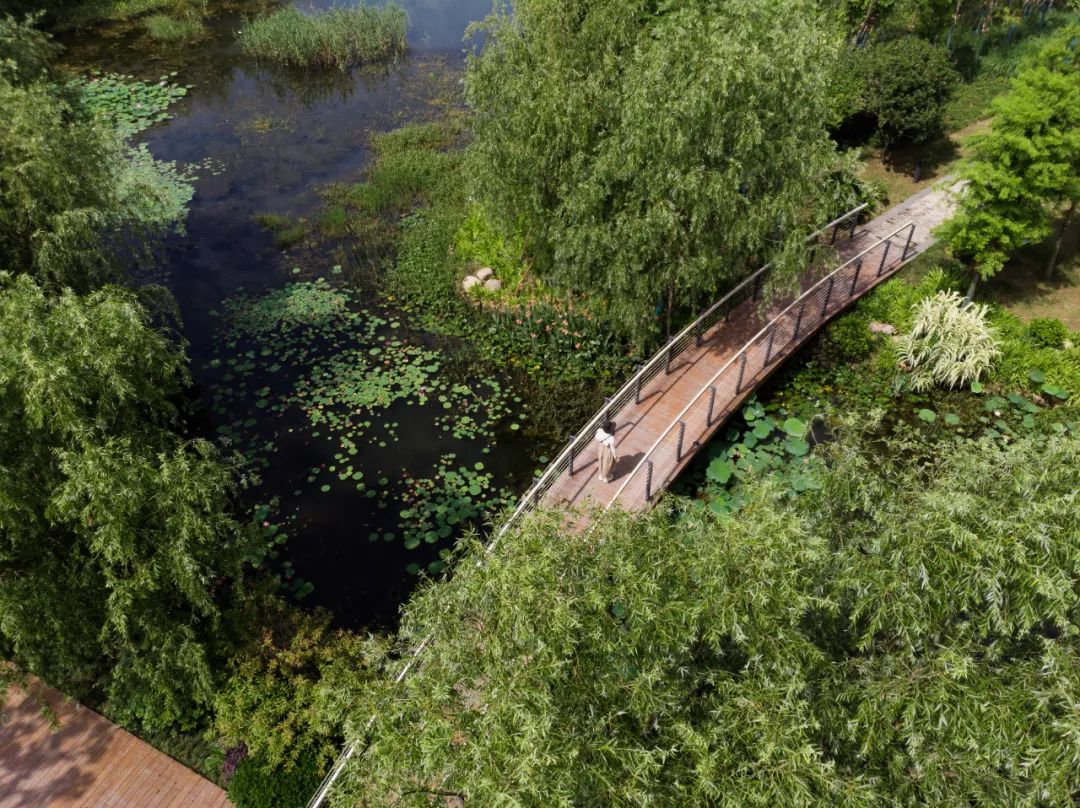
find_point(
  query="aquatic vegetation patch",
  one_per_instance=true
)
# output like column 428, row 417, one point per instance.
column 307, row 362
column 125, row 104
column 454, row 495
column 337, row 37
column 172, row 29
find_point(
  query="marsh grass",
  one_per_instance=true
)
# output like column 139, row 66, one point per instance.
column 337, row 37
column 170, row 29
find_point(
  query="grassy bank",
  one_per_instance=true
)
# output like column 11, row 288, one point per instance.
column 337, row 37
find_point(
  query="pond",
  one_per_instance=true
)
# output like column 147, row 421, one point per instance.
column 374, row 443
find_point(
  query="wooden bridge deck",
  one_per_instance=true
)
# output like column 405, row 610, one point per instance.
column 88, row 763
column 663, row 400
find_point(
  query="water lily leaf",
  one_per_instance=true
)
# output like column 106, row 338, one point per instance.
column 952, row 419
column 927, row 415
column 720, row 470
column 795, row 427
column 797, row 446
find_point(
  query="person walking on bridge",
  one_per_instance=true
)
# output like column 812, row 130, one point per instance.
column 605, row 437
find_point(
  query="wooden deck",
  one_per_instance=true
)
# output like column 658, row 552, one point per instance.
column 88, row 763
column 665, row 399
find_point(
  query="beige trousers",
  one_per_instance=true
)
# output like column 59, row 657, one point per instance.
column 607, row 462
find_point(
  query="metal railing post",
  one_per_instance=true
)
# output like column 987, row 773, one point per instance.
column 698, row 334
column 667, row 363
column 682, row 434
column 742, row 370
column 648, row 481
column 712, row 403
column 637, row 388
column 854, row 223
column 798, row 321
column 832, row 240
column 768, row 351
column 828, row 294
column 573, row 453
column 855, row 280
column 757, row 287
column 884, row 255
column 907, row 245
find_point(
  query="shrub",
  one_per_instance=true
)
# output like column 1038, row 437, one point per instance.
column 950, row 343
column 256, row 786
column 337, row 37
column 848, row 338
column 908, row 82
column 1047, row 332
column 170, row 29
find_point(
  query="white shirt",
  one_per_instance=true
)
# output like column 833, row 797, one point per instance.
column 605, row 438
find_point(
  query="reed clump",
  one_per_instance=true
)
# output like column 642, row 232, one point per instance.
column 337, row 37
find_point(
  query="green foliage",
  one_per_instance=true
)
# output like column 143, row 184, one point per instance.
column 126, row 105
column 285, row 686
column 258, row 786
column 1028, row 167
column 171, row 29
column 651, row 151
column 908, row 82
column 950, row 343
column 26, row 54
column 906, row 634
column 116, row 534
column 74, row 201
column 337, row 37
column 1047, row 332
column 848, row 338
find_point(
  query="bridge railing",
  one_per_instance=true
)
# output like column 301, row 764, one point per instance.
column 566, row 462
column 631, row 391
column 781, row 335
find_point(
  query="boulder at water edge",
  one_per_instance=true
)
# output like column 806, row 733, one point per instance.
column 493, row 284
column 485, row 273
column 469, row 282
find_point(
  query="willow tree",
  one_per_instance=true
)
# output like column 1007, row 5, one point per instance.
column 654, row 152
column 115, row 535
column 906, row 635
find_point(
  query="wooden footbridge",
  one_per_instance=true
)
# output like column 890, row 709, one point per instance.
column 679, row 398
column 676, row 401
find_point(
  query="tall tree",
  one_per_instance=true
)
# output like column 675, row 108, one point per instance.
column 654, row 152
column 908, row 634
column 114, row 534
column 1025, row 173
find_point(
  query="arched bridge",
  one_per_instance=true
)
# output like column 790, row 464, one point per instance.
column 679, row 398
column 676, row 401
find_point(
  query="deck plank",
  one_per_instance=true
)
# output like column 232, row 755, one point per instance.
column 88, row 763
column 640, row 426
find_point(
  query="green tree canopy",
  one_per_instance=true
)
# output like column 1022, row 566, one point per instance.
column 908, row 82
column 1025, row 172
column 905, row 635
column 114, row 534
column 655, row 151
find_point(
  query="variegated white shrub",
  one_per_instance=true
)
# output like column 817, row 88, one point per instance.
column 950, row 343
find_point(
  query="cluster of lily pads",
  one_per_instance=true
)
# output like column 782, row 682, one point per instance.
column 453, row 496
column 761, row 444
column 127, row 105
column 1002, row 416
column 307, row 357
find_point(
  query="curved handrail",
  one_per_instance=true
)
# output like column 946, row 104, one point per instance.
column 563, row 462
column 648, row 371
column 743, row 351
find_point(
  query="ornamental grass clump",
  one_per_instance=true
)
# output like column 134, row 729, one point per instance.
column 336, row 37
column 950, row 343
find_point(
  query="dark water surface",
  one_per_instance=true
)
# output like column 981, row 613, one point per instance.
column 274, row 136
